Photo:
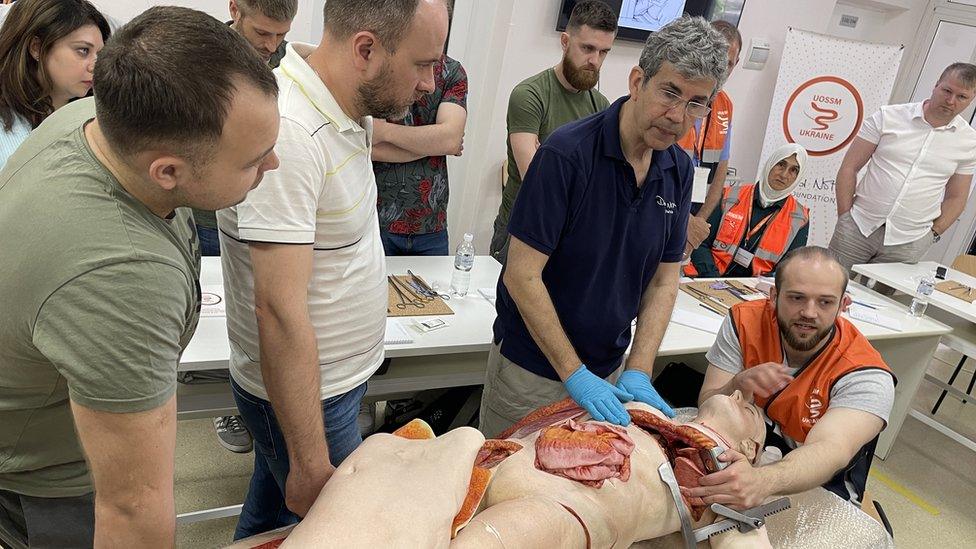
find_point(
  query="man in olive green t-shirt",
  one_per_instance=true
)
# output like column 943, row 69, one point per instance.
column 99, row 276
column 556, row 96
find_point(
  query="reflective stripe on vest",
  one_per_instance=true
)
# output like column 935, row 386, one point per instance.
column 776, row 237
column 806, row 399
column 710, row 139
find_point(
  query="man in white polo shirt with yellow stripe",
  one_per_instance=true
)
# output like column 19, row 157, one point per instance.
column 920, row 160
column 303, row 263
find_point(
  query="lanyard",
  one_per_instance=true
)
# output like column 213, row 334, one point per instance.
column 759, row 226
column 699, row 145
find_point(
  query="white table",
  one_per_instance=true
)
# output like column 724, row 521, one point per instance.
column 456, row 356
column 954, row 312
column 904, row 277
column 460, row 348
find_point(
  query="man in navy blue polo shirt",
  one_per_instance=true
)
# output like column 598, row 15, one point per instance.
column 598, row 234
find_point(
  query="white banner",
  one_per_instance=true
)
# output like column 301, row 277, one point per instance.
column 826, row 87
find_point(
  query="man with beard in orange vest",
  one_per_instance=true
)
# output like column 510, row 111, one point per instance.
column 825, row 392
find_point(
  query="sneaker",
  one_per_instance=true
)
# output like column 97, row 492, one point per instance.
column 233, row 434
column 366, row 419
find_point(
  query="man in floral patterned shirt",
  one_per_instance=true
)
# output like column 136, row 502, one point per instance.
column 409, row 159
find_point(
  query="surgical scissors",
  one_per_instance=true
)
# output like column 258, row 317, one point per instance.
column 430, row 292
column 404, row 301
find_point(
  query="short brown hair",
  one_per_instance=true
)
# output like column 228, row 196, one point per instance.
column 810, row 252
column 25, row 87
column 153, row 89
column 966, row 72
column 387, row 19
column 729, row 31
column 595, row 14
column 279, row 10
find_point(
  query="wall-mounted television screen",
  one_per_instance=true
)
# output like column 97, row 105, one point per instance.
column 638, row 18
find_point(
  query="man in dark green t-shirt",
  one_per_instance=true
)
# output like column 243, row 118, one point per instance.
column 99, row 277
column 554, row 97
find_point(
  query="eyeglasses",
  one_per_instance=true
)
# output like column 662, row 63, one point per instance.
column 669, row 99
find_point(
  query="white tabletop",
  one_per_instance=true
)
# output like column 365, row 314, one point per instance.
column 904, row 277
column 468, row 330
column 680, row 339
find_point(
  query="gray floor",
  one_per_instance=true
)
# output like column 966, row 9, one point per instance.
column 927, row 485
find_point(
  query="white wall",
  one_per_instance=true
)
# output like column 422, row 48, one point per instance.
column 869, row 21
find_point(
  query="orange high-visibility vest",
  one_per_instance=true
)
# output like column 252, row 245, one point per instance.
column 776, row 238
column 797, row 408
column 709, row 141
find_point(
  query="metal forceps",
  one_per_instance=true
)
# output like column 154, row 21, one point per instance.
column 404, row 300
column 427, row 289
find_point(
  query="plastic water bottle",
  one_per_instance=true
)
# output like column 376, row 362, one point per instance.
column 463, row 262
column 921, row 300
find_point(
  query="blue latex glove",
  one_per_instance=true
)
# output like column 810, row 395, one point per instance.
column 601, row 399
column 638, row 384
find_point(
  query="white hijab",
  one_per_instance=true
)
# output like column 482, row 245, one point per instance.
column 768, row 195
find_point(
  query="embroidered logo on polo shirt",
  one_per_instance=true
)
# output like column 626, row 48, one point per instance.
column 668, row 206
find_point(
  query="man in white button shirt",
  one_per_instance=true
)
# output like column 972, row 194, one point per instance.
column 303, row 263
column 920, row 160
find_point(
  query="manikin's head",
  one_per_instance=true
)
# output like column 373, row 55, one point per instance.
column 808, row 296
column 735, row 419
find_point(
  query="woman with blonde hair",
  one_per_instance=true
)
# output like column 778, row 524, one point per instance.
column 47, row 55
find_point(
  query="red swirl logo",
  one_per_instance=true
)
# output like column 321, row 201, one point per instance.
column 823, row 115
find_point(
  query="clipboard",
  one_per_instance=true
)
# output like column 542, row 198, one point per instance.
column 431, row 306
column 957, row 290
column 719, row 300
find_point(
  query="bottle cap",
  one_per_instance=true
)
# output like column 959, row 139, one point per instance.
column 468, row 237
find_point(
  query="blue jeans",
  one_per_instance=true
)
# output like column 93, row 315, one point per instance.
column 209, row 241
column 415, row 244
column 264, row 507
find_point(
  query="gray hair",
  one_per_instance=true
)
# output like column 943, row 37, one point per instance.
column 965, row 72
column 692, row 46
column 279, row 10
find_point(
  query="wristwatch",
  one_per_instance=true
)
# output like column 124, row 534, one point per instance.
column 936, row 236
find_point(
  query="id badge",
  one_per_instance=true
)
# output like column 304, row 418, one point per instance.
column 743, row 257
column 700, row 186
